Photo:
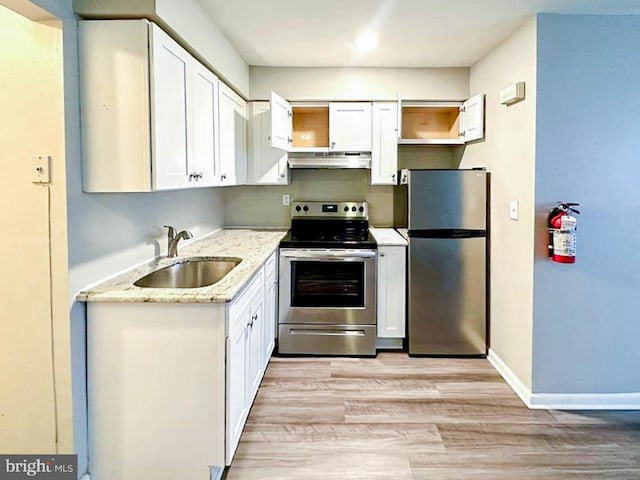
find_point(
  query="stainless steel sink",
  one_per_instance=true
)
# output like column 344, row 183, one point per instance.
column 192, row 272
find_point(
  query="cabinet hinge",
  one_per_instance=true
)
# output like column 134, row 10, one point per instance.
column 462, row 109
column 289, row 139
column 290, row 113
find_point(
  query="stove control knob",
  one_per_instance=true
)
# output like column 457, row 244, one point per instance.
column 305, row 208
column 353, row 209
column 361, row 209
column 346, row 209
column 298, row 208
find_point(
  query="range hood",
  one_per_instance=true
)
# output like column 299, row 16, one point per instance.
column 330, row 160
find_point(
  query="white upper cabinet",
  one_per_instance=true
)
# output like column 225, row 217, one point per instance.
column 350, row 126
column 472, row 124
column 233, row 137
column 384, row 149
column 170, row 97
column 267, row 165
column 443, row 123
column 320, row 126
column 281, row 122
column 204, row 128
column 149, row 117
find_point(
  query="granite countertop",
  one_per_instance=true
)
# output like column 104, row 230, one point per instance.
column 253, row 246
column 387, row 237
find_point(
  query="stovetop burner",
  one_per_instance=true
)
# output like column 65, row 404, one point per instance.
column 329, row 225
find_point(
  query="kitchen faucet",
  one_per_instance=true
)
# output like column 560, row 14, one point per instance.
column 173, row 239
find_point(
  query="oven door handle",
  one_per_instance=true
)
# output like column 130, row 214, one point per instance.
column 330, row 256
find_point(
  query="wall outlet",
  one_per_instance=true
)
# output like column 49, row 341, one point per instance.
column 513, row 210
column 40, row 166
column 286, row 199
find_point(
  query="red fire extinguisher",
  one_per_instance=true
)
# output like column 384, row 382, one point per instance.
column 562, row 225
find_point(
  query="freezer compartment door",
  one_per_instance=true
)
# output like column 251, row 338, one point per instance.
column 447, row 199
column 447, row 296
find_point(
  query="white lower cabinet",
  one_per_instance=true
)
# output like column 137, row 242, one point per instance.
column 170, row 385
column 391, row 291
column 270, row 302
column 245, row 362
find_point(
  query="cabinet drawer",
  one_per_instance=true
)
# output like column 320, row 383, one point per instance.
column 242, row 301
column 270, row 270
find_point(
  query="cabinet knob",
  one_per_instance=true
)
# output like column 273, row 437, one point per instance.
column 191, row 176
column 333, row 144
column 282, row 175
column 223, row 177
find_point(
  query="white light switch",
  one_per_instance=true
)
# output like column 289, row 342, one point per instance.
column 286, row 199
column 513, row 210
column 40, row 168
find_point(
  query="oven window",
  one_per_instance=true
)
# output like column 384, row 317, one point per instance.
column 327, row 284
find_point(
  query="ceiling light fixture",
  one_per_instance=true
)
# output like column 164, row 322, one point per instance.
column 366, row 41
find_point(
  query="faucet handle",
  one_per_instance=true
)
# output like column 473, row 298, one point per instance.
column 172, row 231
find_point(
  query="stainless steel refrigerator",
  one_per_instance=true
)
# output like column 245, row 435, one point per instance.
column 446, row 217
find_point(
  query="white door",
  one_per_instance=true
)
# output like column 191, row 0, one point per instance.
column 232, row 127
column 472, row 118
column 267, row 165
column 399, row 114
column 384, row 148
column 237, row 404
column 281, row 122
column 255, row 351
column 391, row 291
column 203, row 126
column 269, row 327
column 350, row 126
column 169, row 93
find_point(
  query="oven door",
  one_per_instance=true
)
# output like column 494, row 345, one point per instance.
column 319, row 286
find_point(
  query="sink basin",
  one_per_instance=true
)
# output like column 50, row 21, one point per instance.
column 190, row 272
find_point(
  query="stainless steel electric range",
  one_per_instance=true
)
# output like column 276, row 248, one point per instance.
column 327, row 292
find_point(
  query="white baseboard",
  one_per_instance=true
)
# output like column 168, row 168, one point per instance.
column 514, row 382
column 564, row 401
column 586, row 401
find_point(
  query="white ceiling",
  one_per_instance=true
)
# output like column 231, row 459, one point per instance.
column 412, row 33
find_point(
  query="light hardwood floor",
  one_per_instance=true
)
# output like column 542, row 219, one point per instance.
column 401, row 418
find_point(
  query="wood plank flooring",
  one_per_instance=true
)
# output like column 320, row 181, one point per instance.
column 401, row 418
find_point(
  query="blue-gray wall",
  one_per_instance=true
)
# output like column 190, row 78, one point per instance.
column 586, row 335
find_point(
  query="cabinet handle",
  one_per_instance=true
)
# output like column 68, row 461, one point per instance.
column 223, row 177
column 382, row 254
column 191, row 176
column 282, row 175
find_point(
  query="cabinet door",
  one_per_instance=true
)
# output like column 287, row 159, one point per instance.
column 203, row 126
column 269, row 327
column 170, row 97
column 350, row 126
column 472, row 118
column 237, row 404
column 391, row 291
column 281, row 124
column 255, row 352
column 233, row 128
column 267, row 165
column 384, row 148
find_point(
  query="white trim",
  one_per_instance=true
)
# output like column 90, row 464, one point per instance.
column 586, row 401
column 511, row 378
column 86, row 476
column 564, row 401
